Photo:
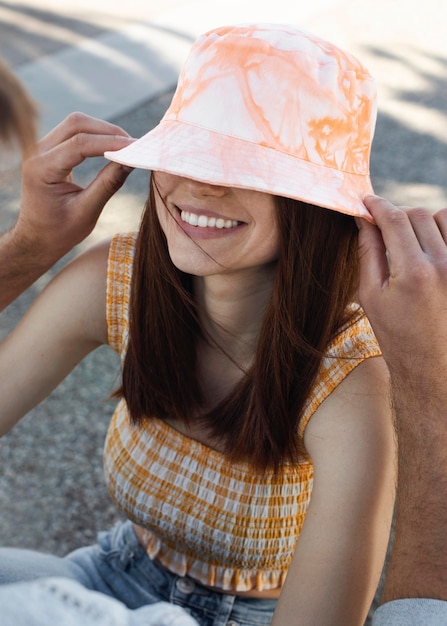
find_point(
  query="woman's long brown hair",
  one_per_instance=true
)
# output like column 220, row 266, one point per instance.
column 316, row 280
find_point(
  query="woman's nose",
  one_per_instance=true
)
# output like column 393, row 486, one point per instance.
column 198, row 188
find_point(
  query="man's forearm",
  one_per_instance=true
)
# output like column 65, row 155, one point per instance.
column 20, row 266
column 417, row 567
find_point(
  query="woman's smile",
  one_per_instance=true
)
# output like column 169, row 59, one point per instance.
column 204, row 224
column 213, row 229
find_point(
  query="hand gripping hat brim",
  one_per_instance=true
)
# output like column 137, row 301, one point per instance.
column 268, row 108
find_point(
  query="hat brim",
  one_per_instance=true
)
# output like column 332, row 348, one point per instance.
column 195, row 152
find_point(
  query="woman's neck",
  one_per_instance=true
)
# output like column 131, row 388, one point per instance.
column 233, row 306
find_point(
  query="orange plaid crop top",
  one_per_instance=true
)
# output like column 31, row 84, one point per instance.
column 221, row 523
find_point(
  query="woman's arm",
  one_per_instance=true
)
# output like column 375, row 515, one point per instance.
column 65, row 323
column 341, row 550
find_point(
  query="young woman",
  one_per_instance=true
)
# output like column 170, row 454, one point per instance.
column 252, row 439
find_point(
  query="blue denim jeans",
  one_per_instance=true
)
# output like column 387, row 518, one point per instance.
column 119, row 567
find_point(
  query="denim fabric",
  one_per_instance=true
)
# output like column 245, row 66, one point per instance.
column 412, row 612
column 119, row 567
column 63, row 602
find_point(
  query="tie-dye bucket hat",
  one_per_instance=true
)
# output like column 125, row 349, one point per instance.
column 269, row 108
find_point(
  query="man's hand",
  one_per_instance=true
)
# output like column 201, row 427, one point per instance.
column 403, row 287
column 55, row 213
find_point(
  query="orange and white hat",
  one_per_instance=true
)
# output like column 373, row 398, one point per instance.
column 269, row 108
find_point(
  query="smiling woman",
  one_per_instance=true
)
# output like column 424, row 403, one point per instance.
column 242, row 232
column 252, row 440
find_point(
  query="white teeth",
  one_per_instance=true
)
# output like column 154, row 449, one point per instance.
column 207, row 222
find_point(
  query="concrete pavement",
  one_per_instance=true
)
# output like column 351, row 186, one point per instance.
column 119, row 61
